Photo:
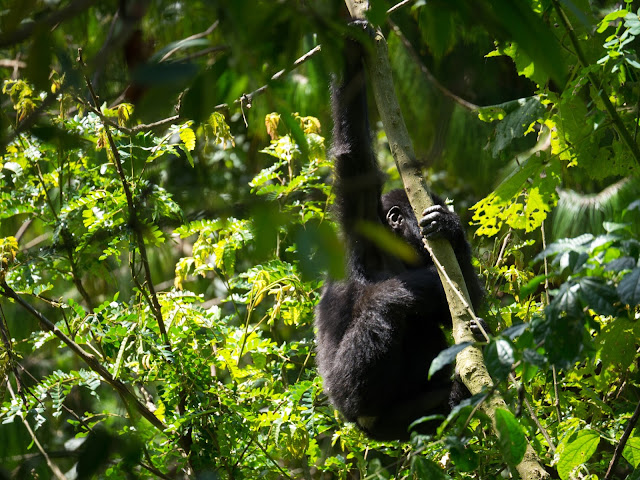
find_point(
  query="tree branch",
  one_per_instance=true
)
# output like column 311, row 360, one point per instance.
column 57, row 473
column 25, row 30
column 623, row 441
column 196, row 36
column 470, row 361
column 247, row 99
column 430, row 78
column 8, row 63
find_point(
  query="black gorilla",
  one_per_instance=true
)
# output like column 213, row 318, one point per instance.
column 380, row 328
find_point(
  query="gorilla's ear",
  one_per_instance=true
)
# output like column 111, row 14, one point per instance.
column 395, row 218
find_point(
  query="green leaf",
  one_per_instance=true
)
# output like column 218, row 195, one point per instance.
column 611, row 17
column 629, row 288
column 499, row 358
column 513, row 443
column 631, row 452
column 597, row 295
column 516, row 123
column 577, row 452
column 563, row 337
column 516, row 21
column 446, row 357
column 531, row 286
column 567, row 301
column 615, row 345
column 621, row 264
column 491, row 113
column 580, row 243
column 387, row 241
column 422, row 467
column 465, row 459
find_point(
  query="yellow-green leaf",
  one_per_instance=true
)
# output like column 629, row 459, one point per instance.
column 188, row 138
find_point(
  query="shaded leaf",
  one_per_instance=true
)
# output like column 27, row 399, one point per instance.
column 629, row 288
column 597, row 295
column 513, row 443
column 446, row 357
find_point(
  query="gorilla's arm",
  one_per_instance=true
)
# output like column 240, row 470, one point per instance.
column 358, row 181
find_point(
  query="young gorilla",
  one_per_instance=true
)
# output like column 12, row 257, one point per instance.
column 379, row 329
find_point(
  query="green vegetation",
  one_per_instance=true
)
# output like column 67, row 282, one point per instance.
column 166, row 227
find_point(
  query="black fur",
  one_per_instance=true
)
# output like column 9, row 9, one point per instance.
column 379, row 329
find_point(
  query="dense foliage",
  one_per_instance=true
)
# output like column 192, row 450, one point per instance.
column 166, row 228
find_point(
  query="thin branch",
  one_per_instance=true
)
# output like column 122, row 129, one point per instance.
column 23, row 228
column 133, row 214
column 244, row 100
column 423, row 68
column 398, row 6
column 534, row 417
column 27, row 29
column 602, row 93
column 155, row 471
column 6, row 341
column 79, row 419
column 623, row 441
column 202, row 53
column 151, row 126
column 444, row 276
column 130, row 130
column 196, row 36
column 89, row 359
column 52, row 466
column 8, row 63
column 248, row 98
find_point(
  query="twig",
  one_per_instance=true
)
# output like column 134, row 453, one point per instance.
column 398, row 6
column 202, row 53
column 6, row 341
column 52, row 466
column 623, row 441
column 7, row 63
column 196, row 36
column 23, row 228
column 132, row 130
column 534, row 417
column 602, row 93
column 155, row 471
column 423, row 68
column 150, row 126
column 505, row 242
column 89, row 359
column 244, row 100
column 79, row 419
column 444, row 276
column 133, row 215
column 57, row 16
column 249, row 97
